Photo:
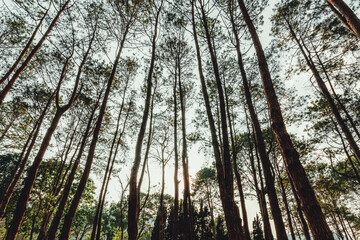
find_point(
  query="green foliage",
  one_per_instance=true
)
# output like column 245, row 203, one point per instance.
column 7, row 167
column 221, row 233
column 257, row 233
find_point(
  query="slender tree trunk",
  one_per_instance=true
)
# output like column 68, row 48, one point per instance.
column 283, row 193
column 188, row 215
column 133, row 207
column 96, row 229
column 346, row 16
column 51, row 233
column 109, row 175
column 309, row 203
column 17, row 73
column 161, row 207
column 5, row 197
column 231, row 211
column 263, row 195
column 304, row 224
column 211, row 207
column 236, row 170
column 324, row 90
column 259, row 192
column 175, row 226
column 69, row 217
column 260, row 143
column 25, row 49
column 148, row 144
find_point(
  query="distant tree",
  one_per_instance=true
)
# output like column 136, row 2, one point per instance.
column 257, row 232
column 221, row 234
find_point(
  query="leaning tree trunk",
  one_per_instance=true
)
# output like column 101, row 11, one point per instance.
column 25, row 49
column 51, row 233
column 259, row 192
column 96, row 229
column 231, row 211
column 30, row 179
column 309, row 203
column 284, row 197
column 17, row 73
column 69, row 217
column 325, row 92
column 61, row 173
column 346, row 16
column 260, row 143
column 133, row 209
column 303, row 222
column 6, row 195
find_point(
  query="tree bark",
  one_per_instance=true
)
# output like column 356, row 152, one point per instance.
column 346, row 16
column 309, row 203
column 325, row 92
column 133, row 209
column 260, row 144
column 17, row 73
column 5, row 197
column 175, row 226
column 69, row 217
column 30, row 179
column 231, row 211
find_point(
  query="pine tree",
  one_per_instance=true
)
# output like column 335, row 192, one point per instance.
column 221, row 234
column 257, row 230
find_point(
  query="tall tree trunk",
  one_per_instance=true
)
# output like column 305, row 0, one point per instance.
column 346, row 16
column 260, row 144
column 96, row 229
column 6, row 195
column 30, row 179
column 310, row 205
column 236, row 170
column 259, row 192
column 133, row 209
column 224, row 173
column 188, row 215
column 325, row 92
column 175, row 226
column 161, row 207
column 51, row 233
column 304, row 224
column 69, row 217
column 284, row 197
column 25, row 49
column 17, row 73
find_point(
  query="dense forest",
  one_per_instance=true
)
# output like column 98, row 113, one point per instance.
column 186, row 119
